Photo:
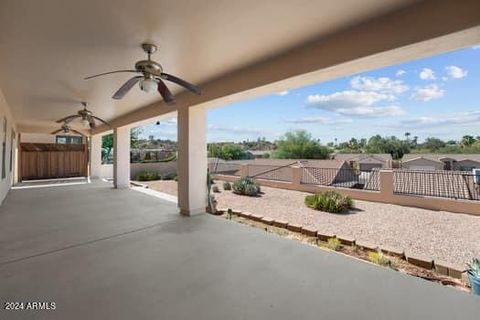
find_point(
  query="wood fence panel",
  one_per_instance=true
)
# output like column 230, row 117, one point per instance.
column 44, row 160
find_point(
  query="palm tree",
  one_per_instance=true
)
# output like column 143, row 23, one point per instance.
column 407, row 134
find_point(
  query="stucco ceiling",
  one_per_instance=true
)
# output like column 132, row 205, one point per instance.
column 47, row 47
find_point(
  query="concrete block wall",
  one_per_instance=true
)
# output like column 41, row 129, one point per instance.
column 385, row 195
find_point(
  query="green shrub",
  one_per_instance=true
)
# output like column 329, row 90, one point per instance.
column 329, row 201
column 148, row 176
column 170, row 176
column 227, row 186
column 334, row 244
column 215, row 189
column 246, row 186
column 380, row 259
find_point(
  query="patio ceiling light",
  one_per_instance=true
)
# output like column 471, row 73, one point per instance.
column 85, row 123
column 148, row 85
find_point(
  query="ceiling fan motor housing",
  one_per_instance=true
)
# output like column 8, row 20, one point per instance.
column 148, row 67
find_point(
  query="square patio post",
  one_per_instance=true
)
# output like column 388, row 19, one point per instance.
column 192, row 160
column 95, row 156
column 121, row 157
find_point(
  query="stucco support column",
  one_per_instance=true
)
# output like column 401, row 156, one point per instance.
column 243, row 170
column 121, row 157
column 386, row 185
column 192, row 160
column 95, row 156
column 297, row 176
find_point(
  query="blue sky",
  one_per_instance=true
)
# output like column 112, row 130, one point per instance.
column 437, row 96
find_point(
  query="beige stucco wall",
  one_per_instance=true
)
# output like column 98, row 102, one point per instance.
column 7, row 182
column 162, row 168
column 385, row 195
column 38, row 138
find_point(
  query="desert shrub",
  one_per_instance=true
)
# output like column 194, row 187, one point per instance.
column 215, row 189
column 378, row 258
column 170, row 176
column 227, row 186
column 246, row 186
column 329, row 201
column 334, row 244
column 148, row 176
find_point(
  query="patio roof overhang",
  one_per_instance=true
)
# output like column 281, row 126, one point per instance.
column 236, row 53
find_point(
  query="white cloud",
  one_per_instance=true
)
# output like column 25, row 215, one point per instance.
column 355, row 103
column 456, row 72
column 427, row 74
column 282, row 93
column 319, row 120
column 400, row 73
column 460, row 118
column 428, row 93
column 233, row 130
column 382, row 84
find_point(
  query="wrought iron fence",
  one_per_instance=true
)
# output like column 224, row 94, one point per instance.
column 231, row 169
column 443, row 184
column 345, row 178
column 271, row 172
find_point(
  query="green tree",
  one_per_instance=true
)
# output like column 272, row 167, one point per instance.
column 134, row 137
column 300, row 145
column 107, row 147
column 433, row 144
column 396, row 147
column 227, row 151
column 467, row 141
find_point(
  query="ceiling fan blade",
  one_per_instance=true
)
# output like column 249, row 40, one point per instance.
column 68, row 119
column 110, row 72
column 102, row 121
column 182, row 83
column 77, row 132
column 56, row 131
column 165, row 92
column 126, row 87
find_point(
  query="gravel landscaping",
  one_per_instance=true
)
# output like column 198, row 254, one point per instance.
column 446, row 236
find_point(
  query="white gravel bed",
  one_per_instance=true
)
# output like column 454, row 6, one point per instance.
column 441, row 235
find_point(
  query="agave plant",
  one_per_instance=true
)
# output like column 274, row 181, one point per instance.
column 474, row 268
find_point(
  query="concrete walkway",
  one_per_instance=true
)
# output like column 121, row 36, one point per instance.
column 100, row 253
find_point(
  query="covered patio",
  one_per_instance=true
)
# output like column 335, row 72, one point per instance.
column 108, row 252
column 124, row 255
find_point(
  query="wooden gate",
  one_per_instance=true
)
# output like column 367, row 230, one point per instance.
column 50, row 160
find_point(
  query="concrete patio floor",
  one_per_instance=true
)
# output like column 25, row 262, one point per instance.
column 100, row 253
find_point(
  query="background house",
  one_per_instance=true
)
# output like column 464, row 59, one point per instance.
column 458, row 162
column 365, row 161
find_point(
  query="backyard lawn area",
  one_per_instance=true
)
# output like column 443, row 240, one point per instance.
column 451, row 237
